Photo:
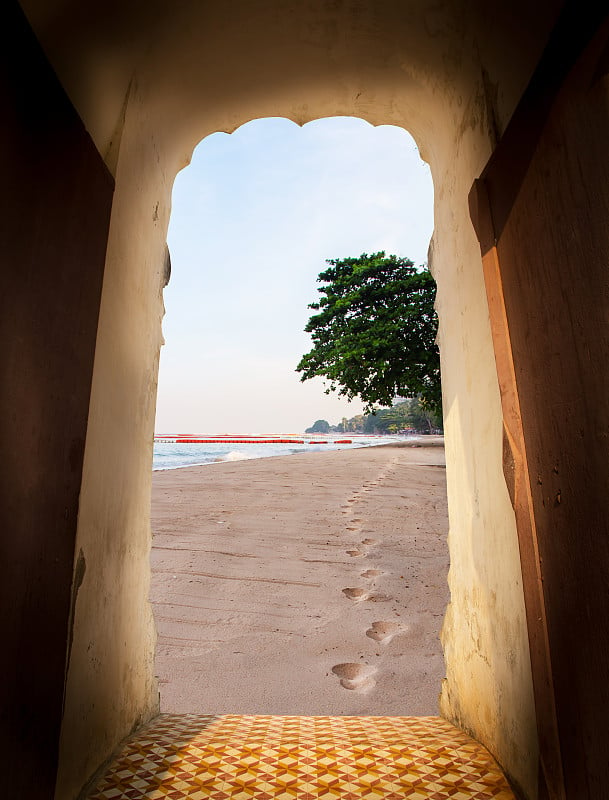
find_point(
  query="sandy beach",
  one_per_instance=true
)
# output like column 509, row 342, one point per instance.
column 306, row 584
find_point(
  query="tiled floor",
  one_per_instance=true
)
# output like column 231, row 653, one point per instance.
column 301, row 758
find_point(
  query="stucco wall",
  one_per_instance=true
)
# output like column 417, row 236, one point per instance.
column 111, row 687
column 488, row 689
column 451, row 79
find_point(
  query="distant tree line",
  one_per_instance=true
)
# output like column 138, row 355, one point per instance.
column 405, row 416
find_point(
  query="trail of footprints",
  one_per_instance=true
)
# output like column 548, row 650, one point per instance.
column 353, row 675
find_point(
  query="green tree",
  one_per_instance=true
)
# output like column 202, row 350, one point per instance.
column 389, row 420
column 422, row 418
column 374, row 336
column 319, row 426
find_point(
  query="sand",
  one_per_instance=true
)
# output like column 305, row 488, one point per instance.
column 308, row 584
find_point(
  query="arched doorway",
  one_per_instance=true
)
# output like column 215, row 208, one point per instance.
column 472, row 407
column 247, row 604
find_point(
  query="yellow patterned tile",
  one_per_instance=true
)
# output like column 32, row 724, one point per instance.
column 190, row 757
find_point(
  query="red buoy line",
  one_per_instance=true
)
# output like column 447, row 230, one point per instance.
column 181, row 439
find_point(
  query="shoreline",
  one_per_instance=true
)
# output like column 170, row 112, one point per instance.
column 422, row 440
column 300, row 585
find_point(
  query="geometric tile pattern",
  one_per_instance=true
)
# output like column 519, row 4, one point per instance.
column 180, row 756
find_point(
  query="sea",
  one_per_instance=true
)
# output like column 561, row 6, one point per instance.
column 173, row 451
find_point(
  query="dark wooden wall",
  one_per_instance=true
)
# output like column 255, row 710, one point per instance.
column 55, row 200
column 542, row 215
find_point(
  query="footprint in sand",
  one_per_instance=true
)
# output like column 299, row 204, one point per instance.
column 355, row 676
column 355, row 593
column 383, row 632
column 371, row 573
column 370, row 541
column 355, row 553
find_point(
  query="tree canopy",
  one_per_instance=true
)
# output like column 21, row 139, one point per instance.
column 319, row 426
column 375, row 334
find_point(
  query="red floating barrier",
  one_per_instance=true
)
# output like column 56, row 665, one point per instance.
column 239, row 441
column 227, row 439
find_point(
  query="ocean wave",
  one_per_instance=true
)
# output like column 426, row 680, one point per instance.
column 235, row 455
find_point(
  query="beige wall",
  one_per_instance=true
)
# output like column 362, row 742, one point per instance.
column 148, row 94
column 111, row 686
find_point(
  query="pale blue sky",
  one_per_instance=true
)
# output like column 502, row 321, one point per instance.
column 253, row 219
